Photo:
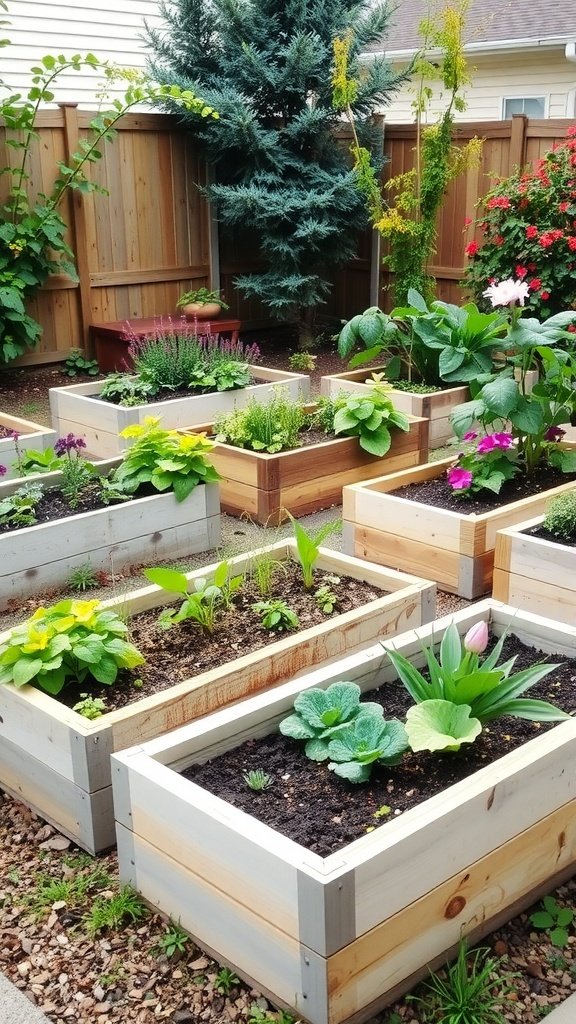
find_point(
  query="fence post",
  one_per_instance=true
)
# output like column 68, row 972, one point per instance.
column 78, row 226
column 517, row 152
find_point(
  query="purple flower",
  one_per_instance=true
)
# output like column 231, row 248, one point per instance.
column 470, row 435
column 459, row 479
column 492, row 441
column 68, row 444
column 3, row 470
column 554, row 434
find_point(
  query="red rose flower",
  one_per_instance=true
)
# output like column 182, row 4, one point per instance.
column 534, row 284
column 531, row 231
column 563, row 207
column 471, row 249
column 544, row 296
column 521, row 271
column 571, row 241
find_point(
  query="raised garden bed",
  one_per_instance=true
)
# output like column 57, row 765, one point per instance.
column 150, row 529
column 456, row 549
column 79, row 410
column 306, row 479
column 535, row 573
column 30, row 436
column 59, row 762
column 336, row 938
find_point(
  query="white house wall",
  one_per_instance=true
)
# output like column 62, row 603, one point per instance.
column 110, row 29
column 546, row 73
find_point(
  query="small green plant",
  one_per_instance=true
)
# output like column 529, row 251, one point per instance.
column 225, row 981
column 76, row 365
column 32, row 461
column 258, row 780
column 472, row 990
column 201, row 604
column 259, row 1016
column 369, row 740
column 263, row 571
column 90, row 707
column 83, row 577
column 174, row 940
column 321, row 714
column 382, row 811
column 275, row 614
column 72, row 891
column 326, row 599
column 308, row 546
column 19, row 508
column 71, row 640
column 127, row 390
column 201, row 296
column 560, row 516
column 370, row 418
column 164, row 459
column 555, row 920
column 109, row 912
column 302, row 362
column 260, row 427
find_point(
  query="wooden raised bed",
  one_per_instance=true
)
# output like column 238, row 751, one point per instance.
column 436, row 406
column 148, row 529
column 456, row 549
column 535, row 574
column 32, row 436
column 59, row 763
column 306, row 479
column 337, row 938
column 78, row 408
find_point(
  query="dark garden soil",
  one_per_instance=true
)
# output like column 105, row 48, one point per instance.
column 184, row 650
column 54, row 505
column 542, row 534
column 440, row 494
column 323, row 812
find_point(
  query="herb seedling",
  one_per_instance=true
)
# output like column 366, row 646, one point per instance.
column 302, row 362
column 111, row 911
column 200, row 604
column 554, row 920
column 326, row 599
column 225, row 981
column 258, row 780
column 77, row 364
column 275, row 614
column 83, row 577
column 174, row 940
column 472, row 990
column 308, row 546
column 90, row 707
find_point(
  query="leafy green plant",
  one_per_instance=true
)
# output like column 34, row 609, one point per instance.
column 83, row 577
column 164, row 459
column 275, row 614
column 173, row 941
column 180, row 359
column 308, row 546
column 321, row 714
column 126, row 390
column 258, row 780
column 109, row 912
column 457, row 677
column 271, row 427
column 560, row 516
column 302, row 362
column 264, row 569
column 225, row 981
column 201, row 604
column 325, row 598
column 72, row 890
column 368, row 741
column 201, row 296
column 76, row 364
column 472, row 990
column 90, row 707
column 555, row 920
column 368, row 417
column 19, row 508
column 259, row 1016
column 71, row 640
column 33, row 461
column 76, row 471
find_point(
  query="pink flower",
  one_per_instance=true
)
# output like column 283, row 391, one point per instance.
column 459, row 479
column 492, row 441
column 476, row 639
column 554, row 433
column 470, row 435
column 3, row 470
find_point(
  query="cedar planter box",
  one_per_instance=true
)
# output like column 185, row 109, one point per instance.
column 306, row 479
column 32, row 436
column 148, row 529
column 436, row 406
column 535, row 574
column 337, row 938
column 77, row 408
column 456, row 549
column 59, row 762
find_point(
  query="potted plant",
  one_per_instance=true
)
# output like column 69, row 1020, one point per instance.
column 510, row 444
column 65, row 772
column 18, row 436
column 289, row 457
column 100, row 516
column 535, row 561
column 185, row 378
column 201, row 304
column 339, row 935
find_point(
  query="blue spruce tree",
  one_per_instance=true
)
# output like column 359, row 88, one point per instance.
column 266, row 67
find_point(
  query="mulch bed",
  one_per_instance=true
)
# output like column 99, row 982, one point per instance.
column 439, row 493
column 323, row 812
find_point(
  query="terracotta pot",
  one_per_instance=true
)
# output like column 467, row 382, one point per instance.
column 201, row 310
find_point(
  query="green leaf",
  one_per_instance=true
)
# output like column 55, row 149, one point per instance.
column 316, row 749
column 90, row 649
column 440, row 725
column 559, row 937
column 26, row 669
column 411, row 678
column 353, row 771
column 376, row 444
column 542, row 919
column 500, row 395
column 451, row 649
column 297, row 728
column 168, row 579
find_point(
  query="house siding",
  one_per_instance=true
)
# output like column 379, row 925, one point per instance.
column 500, row 75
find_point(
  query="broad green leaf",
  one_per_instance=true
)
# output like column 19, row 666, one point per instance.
column 501, row 395
column 353, row 771
column 412, row 679
column 440, row 725
column 316, row 749
column 378, row 443
column 168, row 579
column 451, row 652
column 542, row 919
column 106, row 670
column 26, row 669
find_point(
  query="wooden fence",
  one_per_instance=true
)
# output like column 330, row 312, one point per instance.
column 152, row 237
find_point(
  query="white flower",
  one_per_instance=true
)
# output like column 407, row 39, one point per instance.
column 507, row 292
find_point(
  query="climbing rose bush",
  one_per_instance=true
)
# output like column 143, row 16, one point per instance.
column 528, row 227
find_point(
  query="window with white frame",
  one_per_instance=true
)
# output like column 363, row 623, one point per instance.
column 531, row 106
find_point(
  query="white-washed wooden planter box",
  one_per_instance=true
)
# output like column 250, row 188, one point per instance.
column 534, row 573
column 31, row 436
column 59, row 763
column 454, row 548
column 435, row 406
column 148, row 529
column 336, row 938
column 78, row 408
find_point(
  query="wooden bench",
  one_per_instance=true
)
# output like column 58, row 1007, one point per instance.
column 110, row 341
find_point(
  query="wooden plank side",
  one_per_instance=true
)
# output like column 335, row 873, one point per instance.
column 535, row 558
column 517, row 511
column 409, row 555
column 536, row 596
column 367, row 969
column 403, row 519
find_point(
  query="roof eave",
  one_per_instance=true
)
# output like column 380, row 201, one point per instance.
column 550, row 42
